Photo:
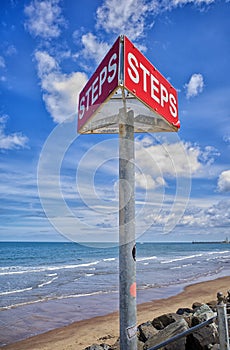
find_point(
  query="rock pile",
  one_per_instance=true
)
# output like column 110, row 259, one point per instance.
column 161, row 328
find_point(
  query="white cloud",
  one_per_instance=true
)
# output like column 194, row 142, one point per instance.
column 10, row 50
column 10, row 141
column 224, row 181
column 159, row 161
column 171, row 4
column 45, row 62
column 226, row 138
column 169, row 158
column 44, row 18
column 93, row 48
column 125, row 17
column 2, row 62
column 18, row 184
column 217, row 215
column 196, row 2
column 146, row 181
column 132, row 17
column 60, row 91
column 195, row 85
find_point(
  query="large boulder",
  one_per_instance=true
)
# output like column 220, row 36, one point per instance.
column 203, row 338
column 201, row 314
column 169, row 331
column 146, row 331
column 164, row 320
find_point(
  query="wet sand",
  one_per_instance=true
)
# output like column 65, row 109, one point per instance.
column 105, row 329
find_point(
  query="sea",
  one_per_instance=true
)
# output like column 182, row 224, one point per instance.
column 44, row 286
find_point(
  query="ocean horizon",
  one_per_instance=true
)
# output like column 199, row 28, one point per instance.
column 46, row 285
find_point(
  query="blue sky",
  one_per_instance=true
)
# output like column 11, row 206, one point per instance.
column 57, row 184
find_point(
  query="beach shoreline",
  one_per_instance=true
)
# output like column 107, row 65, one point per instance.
column 99, row 329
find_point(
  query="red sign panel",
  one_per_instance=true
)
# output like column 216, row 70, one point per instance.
column 143, row 80
column 99, row 87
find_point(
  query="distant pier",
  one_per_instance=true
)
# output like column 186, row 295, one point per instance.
column 226, row 241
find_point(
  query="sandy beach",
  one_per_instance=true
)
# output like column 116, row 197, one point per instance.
column 101, row 329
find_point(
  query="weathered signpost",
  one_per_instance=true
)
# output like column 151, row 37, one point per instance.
column 124, row 85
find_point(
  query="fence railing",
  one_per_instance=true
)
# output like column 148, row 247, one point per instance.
column 222, row 320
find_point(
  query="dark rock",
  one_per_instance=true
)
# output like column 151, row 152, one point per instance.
column 145, row 331
column 212, row 305
column 203, row 338
column 164, row 320
column 184, row 310
column 157, row 323
column 195, row 321
column 115, row 347
column 171, row 330
column 105, row 346
column 189, row 319
column 196, row 305
column 94, row 347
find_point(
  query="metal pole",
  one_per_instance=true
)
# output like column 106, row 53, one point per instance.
column 127, row 265
column 222, row 322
